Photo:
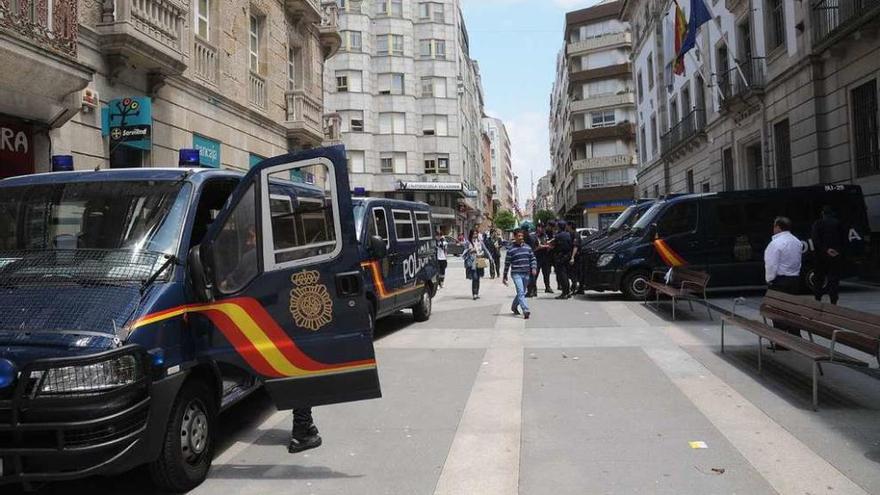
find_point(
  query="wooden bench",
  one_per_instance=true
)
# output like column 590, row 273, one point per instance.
column 842, row 326
column 684, row 284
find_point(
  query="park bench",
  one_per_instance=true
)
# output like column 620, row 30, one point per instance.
column 841, row 326
column 684, row 283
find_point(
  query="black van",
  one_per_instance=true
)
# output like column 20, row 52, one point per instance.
column 725, row 234
column 398, row 255
column 619, row 228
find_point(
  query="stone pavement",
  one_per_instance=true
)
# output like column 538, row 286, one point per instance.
column 591, row 396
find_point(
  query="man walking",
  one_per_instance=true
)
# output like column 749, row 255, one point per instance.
column 542, row 253
column 561, row 251
column 574, row 269
column 520, row 262
column 782, row 263
column 829, row 239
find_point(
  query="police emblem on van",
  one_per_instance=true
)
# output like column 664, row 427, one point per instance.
column 310, row 303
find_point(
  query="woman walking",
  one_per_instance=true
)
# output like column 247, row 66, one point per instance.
column 442, row 247
column 475, row 261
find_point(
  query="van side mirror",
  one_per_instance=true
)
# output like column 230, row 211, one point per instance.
column 197, row 274
column 378, row 247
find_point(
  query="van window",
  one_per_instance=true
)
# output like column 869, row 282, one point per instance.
column 379, row 225
column 679, row 219
column 235, row 250
column 423, row 224
column 403, row 226
column 729, row 216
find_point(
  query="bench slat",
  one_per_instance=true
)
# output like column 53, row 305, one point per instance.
column 863, row 343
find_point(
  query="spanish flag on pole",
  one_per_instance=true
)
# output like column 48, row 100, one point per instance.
column 679, row 33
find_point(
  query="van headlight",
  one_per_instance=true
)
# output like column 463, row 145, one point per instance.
column 115, row 372
column 605, row 259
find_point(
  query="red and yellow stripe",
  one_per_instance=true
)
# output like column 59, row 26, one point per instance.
column 259, row 340
column 667, row 254
column 375, row 269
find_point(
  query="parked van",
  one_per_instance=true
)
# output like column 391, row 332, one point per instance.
column 139, row 303
column 620, row 227
column 725, row 234
column 398, row 255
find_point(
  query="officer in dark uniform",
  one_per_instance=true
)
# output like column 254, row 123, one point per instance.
column 545, row 261
column 562, row 245
column 531, row 239
column 829, row 241
column 574, row 265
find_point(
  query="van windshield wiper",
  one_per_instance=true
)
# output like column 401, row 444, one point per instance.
column 170, row 259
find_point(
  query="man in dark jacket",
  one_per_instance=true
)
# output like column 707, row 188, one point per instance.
column 562, row 245
column 531, row 240
column 829, row 240
column 545, row 262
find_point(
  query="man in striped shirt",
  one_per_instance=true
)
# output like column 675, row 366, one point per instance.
column 520, row 262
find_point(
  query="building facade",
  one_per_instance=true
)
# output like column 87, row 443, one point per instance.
column 130, row 83
column 592, row 118
column 503, row 180
column 544, row 195
column 777, row 93
column 409, row 102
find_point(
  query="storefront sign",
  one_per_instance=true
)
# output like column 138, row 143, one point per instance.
column 16, row 149
column 129, row 121
column 209, row 151
column 430, row 186
column 623, row 203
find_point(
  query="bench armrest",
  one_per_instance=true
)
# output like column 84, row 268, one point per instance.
column 700, row 287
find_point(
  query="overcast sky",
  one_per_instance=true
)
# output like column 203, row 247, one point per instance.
column 516, row 43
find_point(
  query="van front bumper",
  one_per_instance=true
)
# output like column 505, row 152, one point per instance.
column 57, row 437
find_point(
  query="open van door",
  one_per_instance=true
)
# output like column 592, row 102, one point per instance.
column 283, row 282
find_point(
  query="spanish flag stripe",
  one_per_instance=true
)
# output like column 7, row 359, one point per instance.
column 242, row 346
column 373, row 266
column 669, row 256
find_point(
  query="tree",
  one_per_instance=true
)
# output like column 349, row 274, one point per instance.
column 544, row 217
column 505, row 220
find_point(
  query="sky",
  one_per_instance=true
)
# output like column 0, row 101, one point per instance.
column 516, row 43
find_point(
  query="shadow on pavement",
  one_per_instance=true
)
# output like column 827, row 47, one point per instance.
column 276, row 472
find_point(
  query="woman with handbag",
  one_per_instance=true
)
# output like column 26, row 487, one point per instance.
column 475, row 261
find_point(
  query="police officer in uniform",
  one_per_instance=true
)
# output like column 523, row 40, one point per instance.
column 562, row 246
column 574, row 265
column 531, row 240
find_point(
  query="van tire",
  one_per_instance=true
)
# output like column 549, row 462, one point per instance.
column 182, row 467
column 635, row 285
column 422, row 310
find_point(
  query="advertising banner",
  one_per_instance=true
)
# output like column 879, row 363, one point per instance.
column 129, row 122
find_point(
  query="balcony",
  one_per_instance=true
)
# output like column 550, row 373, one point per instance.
column 144, row 33
column 306, row 10
column 256, row 90
column 305, row 119
column 683, row 136
column 205, row 61
column 835, row 20
column 607, row 72
column 333, row 128
column 599, row 43
column 603, row 162
column 743, row 84
column 328, row 30
column 623, row 130
column 603, row 101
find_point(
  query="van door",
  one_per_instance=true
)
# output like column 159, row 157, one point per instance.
column 728, row 250
column 403, row 246
column 678, row 237
column 287, row 288
column 379, row 269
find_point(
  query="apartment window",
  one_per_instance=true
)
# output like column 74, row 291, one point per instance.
column 690, row 182
column 432, row 48
column 434, row 87
column 435, row 125
column 389, row 44
column 352, row 120
column 349, row 81
column 639, row 86
column 776, row 26
column 782, row 140
column 392, row 123
column 602, row 119
column 254, row 43
column 391, row 84
column 865, row 129
column 706, row 187
column 437, row 164
column 673, row 112
column 389, row 7
column 351, row 41
column 386, row 161
column 432, row 11
column 293, row 56
column 650, row 71
column 654, row 149
column 727, row 169
column 656, row 190
column 355, row 161
column 202, row 19
column 643, row 145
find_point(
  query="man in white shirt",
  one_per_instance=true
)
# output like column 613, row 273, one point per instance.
column 782, row 264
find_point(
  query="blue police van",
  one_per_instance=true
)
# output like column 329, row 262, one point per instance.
column 137, row 304
column 398, row 255
column 725, row 234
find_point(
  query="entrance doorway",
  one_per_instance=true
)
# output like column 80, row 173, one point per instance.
column 754, row 166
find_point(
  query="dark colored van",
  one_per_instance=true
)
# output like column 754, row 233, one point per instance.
column 137, row 304
column 398, row 255
column 725, row 234
column 619, row 228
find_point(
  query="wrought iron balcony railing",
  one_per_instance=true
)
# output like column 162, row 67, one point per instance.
column 690, row 126
column 748, row 77
column 834, row 16
column 55, row 29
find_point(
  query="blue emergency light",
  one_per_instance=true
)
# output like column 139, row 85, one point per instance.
column 189, row 157
column 62, row 163
column 7, row 373
column 360, row 191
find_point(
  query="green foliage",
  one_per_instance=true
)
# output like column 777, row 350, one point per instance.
column 505, row 220
column 544, row 217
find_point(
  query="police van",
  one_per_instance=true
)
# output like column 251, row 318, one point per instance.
column 137, row 304
column 725, row 234
column 398, row 255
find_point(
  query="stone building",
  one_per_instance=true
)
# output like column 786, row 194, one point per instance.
column 503, row 182
column 128, row 83
column 409, row 100
column 777, row 93
column 544, row 195
column 592, row 119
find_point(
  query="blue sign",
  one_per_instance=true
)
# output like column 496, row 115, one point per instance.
column 254, row 160
column 607, row 204
column 129, row 122
column 209, row 151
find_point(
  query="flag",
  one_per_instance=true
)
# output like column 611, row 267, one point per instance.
column 700, row 15
column 679, row 33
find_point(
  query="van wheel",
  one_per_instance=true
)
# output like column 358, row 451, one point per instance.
column 635, row 285
column 188, row 448
column 422, row 310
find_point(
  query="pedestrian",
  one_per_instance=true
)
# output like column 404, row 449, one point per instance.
column 442, row 253
column 492, row 254
column 520, row 262
column 545, row 261
column 495, row 239
column 531, row 240
column 829, row 241
column 475, row 261
column 561, row 251
column 574, row 265
column 782, row 265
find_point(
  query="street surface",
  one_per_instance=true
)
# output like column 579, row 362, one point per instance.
column 590, row 396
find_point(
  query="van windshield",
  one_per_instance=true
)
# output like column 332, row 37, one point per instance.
column 359, row 210
column 648, row 217
column 126, row 226
column 624, row 219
